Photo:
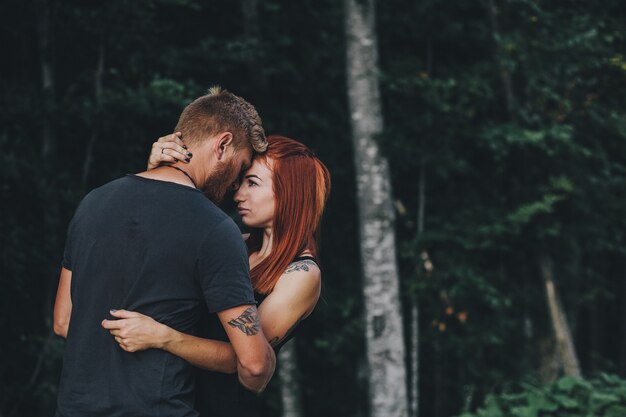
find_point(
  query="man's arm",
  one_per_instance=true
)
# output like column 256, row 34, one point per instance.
column 63, row 304
column 256, row 360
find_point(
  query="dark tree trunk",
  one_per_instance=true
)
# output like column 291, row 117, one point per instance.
column 505, row 76
column 597, row 320
column 97, row 93
column 414, row 353
column 250, row 10
column 622, row 322
column 439, row 381
column 46, row 54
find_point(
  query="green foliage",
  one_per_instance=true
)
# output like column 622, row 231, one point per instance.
column 510, row 170
column 604, row 396
column 503, row 181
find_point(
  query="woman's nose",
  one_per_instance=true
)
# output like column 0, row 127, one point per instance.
column 238, row 197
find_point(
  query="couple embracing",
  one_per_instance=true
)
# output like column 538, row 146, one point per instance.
column 167, row 310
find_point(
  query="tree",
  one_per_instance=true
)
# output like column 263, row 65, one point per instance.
column 289, row 381
column 383, row 319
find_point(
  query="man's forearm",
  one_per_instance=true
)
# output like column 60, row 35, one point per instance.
column 212, row 355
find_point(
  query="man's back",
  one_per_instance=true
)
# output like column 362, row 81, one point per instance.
column 154, row 247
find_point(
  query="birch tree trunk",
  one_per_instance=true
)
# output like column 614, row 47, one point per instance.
column 384, row 338
column 564, row 342
column 289, row 382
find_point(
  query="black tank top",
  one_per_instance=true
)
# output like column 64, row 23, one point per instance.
column 221, row 395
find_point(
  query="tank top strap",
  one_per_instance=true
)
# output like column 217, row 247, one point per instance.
column 305, row 258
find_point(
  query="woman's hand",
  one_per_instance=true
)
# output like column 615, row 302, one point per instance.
column 135, row 331
column 168, row 148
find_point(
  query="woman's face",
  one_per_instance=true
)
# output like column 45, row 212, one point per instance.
column 255, row 196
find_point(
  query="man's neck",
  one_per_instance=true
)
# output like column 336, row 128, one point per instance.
column 170, row 174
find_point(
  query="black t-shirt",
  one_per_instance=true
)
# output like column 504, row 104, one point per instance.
column 158, row 248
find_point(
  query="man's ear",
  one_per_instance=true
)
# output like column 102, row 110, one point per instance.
column 224, row 140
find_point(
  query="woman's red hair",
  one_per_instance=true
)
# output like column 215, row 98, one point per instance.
column 301, row 188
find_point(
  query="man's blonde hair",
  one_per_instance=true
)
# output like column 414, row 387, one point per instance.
column 222, row 111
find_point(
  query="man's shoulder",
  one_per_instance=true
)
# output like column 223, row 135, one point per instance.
column 137, row 186
column 99, row 192
column 107, row 187
column 154, row 198
column 223, row 231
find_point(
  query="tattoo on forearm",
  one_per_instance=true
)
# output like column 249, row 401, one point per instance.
column 247, row 322
column 275, row 341
column 300, row 266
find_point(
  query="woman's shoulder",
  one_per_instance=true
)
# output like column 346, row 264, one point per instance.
column 303, row 263
column 302, row 274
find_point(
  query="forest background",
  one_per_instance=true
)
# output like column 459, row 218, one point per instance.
column 505, row 135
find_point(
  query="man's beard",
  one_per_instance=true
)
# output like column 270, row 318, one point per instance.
column 219, row 182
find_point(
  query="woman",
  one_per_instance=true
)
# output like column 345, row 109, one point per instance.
column 281, row 198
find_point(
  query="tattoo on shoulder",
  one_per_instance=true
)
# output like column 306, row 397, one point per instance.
column 300, row 266
column 247, row 322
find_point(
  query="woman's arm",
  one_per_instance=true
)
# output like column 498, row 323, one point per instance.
column 135, row 331
column 294, row 297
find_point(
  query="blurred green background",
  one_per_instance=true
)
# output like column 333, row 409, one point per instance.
column 514, row 121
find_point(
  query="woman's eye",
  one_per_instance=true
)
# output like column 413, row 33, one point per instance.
column 251, row 183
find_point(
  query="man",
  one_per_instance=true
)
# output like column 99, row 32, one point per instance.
column 152, row 243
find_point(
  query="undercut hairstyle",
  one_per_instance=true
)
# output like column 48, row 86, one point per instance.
column 301, row 188
column 221, row 111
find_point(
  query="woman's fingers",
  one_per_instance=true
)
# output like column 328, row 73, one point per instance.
column 164, row 157
column 116, row 332
column 123, row 344
column 125, row 314
column 174, row 137
column 168, row 148
column 175, row 150
column 111, row 324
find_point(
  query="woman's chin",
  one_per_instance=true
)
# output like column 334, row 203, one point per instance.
column 252, row 224
column 248, row 222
